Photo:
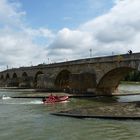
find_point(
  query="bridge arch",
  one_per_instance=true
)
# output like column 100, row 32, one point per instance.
column 24, row 75
column 110, row 81
column 36, row 77
column 62, row 80
column 25, row 80
column 14, row 76
column 7, row 80
column 7, row 76
column 15, row 80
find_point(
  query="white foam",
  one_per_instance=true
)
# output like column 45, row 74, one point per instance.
column 27, row 103
column 4, row 97
column 22, row 103
column 36, row 102
column 58, row 102
column 18, row 101
column 64, row 101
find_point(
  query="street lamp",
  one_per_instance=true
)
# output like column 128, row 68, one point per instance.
column 48, row 60
column 90, row 51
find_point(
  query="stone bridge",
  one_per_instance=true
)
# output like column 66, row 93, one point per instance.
column 100, row 75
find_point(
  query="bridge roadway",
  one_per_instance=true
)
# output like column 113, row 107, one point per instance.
column 100, row 75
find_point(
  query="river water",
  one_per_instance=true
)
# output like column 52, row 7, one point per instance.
column 29, row 119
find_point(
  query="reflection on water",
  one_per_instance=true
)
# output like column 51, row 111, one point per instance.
column 30, row 119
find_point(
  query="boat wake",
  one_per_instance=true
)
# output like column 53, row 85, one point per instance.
column 22, row 103
column 5, row 100
column 34, row 102
column 4, row 97
column 64, row 101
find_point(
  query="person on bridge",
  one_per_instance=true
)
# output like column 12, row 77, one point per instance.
column 130, row 52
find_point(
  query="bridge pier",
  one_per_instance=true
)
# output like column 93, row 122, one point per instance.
column 82, row 83
column 106, row 91
column 26, row 82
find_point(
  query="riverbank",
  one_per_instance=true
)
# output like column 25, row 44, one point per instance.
column 129, row 83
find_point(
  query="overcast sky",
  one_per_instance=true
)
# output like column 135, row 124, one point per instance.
column 46, row 31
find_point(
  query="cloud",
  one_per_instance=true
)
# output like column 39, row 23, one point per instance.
column 116, row 31
column 17, row 45
column 17, row 49
column 10, row 13
column 70, row 44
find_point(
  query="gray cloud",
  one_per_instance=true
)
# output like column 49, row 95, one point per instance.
column 116, row 31
column 17, row 47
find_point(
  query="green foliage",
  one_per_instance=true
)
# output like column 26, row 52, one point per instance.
column 133, row 76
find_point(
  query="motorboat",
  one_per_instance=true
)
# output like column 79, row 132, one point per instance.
column 53, row 99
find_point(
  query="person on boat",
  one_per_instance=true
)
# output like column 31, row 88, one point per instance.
column 44, row 99
column 52, row 97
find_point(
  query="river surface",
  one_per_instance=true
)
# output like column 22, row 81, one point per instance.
column 30, row 119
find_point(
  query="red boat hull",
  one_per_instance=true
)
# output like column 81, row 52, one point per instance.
column 55, row 99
